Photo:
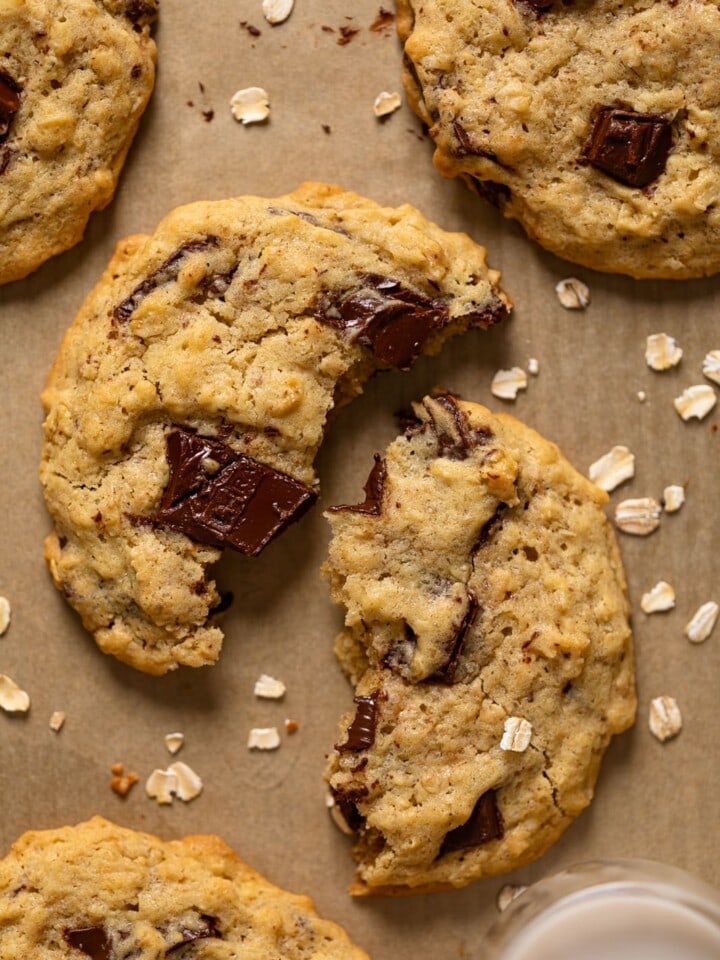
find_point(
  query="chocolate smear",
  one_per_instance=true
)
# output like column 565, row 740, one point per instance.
column 631, row 147
column 208, row 930
column 222, row 498
column 93, row 941
column 372, row 505
column 361, row 732
column 447, row 673
column 484, row 824
column 165, row 273
column 9, row 103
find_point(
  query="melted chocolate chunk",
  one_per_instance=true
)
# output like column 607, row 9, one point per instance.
column 467, row 147
column 394, row 323
column 361, row 732
column 484, row 824
column 207, row 930
column 631, row 147
column 498, row 194
column 489, row 527
column 165, row 273
column 93, row 941
column 9, row 103
column 447, row 673
column 372, row 505
column 222, row 498
column 345, row 801
column 455, row 437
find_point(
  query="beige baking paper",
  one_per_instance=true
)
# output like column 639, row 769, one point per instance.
column 653, row 800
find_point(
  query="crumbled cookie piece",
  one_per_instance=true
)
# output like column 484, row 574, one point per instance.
column 174, row 742
column 506, row 384
column 517, row 734
column 696, row 401
column 12, row 698
column 57, row 721
column 659, row 598
column 263, row 738
column 291, row 726
column 665, row 719
column 662, row 352
column 639, row 516
column 507, row 894
column 277, row 11
column 5, row 615
column 702, row 623
column 711, row 366
column 250, row 105
column 268, row 688
column 386, row 103
column 121, row 782
column 573, row 294
column 613, row 468
column 673, row 498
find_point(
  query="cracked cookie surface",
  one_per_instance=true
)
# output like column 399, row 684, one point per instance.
column 484, row 592
column 75, row 77
column 101, row 891
column 189, row 397
column 594, row 123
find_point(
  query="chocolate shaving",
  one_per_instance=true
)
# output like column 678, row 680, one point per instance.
column 484, row 824
column 447, row 673
column 9, row 103
column 219, row 497
column 361, row 732
column 208, row 931
column 372, row 505
column 165, row 273
column 631, row 147
column 93, row 941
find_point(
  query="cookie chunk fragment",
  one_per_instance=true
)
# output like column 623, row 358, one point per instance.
column 189, row 397
column 484, row 595
column 109, row 893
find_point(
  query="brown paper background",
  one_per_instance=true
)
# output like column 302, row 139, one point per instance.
column 652, row 800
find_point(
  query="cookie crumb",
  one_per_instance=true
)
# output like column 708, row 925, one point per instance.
column 572, row 293
column 346, row 35
column 696, row 401
column 250, row 105
column 263, row 738
column 659, row 598
column 382, row 21
column 277, row 11
column 12, row 698
column 533, row 366
column 122, row 783
column 506, row 384
column 665, row 719
column 116, row 769
column 711, row 366
column 516, row 735
column 174, row 741
column 291, row 726
column 507, row 894
column 662, row 352
column 673, row 498
column 5, row 614
column 613, row 468
column 57, row 720
column 702, row 623
column 640, row 516
column 386, row 103
column 268, row 688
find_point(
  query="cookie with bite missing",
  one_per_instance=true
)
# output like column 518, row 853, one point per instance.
column 97, row 890
column 189, row 397
column 75, row 78
column 487, row 635
column 594, row 123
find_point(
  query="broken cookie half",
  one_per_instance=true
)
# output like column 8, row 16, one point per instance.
column 487, row 635
column 189, row 398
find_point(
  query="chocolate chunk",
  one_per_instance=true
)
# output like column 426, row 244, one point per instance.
column 93, row 941
column 467, row 145
column 222, row 498
column 207, row 929
column 490, row 527
column 372, row 505
column 447, row 673
column 485, row 823
column 631, row 147
column 361, row 732
column 498, row 194
column 165, row 273
column 9, row 103
column 138, row 11
column 7, row 152
column 345, row 801
column 393, row 322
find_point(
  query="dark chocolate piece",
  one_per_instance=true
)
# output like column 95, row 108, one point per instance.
column 394, row 323
column 361, row 732
column 447, row 673
column 484, row 824
column 165, row 273
column 468, row 147
column 9, row 103
column 207, row 931
column 372, row 505
column 490, row 526
column 223, row 498
column 498, row 194
column 631, row 147
column 345, row 801
column 140, row 10
column 93, row 941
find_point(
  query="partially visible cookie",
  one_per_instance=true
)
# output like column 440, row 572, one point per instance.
column 594, row 123
column 75, row 77
column 189, row 397
column 487, row 633
column 100, row 891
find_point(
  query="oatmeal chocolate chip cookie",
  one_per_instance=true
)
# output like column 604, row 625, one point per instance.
column 189, row 397
column 594, row 123
column 75, row 76
column 104, row 892
column 487, row 633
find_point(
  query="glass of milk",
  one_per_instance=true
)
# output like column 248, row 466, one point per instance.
column 610, row 910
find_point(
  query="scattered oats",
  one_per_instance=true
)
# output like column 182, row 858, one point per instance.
column 533, row 366
column 662, row 352
column 12, row 698
column 188, row 783
column 263, row 738
column 673, row 498
column 337, row 815
column 665, row 719
column 122, row 783
column 386, row 103
column 251, row 105
column 659, row 599
column 711, row 366
column 161, row 785
column 277, row 11
column 696, row 401
column 507, row 894
column 4, row 614
column 573, row 294
column 516, row 735
column 57, row 720
column 173, row 742
column 506, row 383
column 291, row 726
column 613, row 468
column 639, row 517
column 702, row 623
column 269, row 688
column 642, row 396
